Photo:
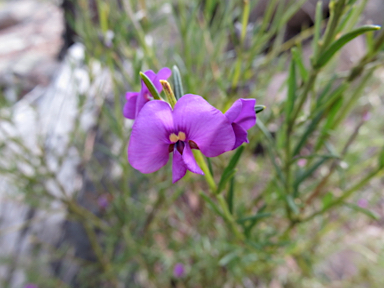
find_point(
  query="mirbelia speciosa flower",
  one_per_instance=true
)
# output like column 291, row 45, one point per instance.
column 177, row 127
column 192, row 124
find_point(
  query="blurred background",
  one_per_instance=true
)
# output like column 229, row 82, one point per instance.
column 73, row 213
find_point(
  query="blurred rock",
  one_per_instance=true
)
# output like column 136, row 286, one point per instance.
column 304, row 17
column 43, row 121
column 30, row 40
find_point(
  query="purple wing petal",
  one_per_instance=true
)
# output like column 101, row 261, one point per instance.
column 149, row 142
column 247, row 116
column 178, row 167
column 141, row 99
column 129, row 110
column 190, row 161
column 241, row 135
column 204, row 124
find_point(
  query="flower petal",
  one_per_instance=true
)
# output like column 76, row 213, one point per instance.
column 141, row 98
column 129, row 110
column 243, row 113
column 178, row 167
column 149, row 142
column 190, row 161
column 203, row 124
column 241, row 135
column 234, row 111
column 163, row 74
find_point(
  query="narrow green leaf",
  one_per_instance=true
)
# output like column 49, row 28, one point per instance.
column 330, row 100
column 270, row 148
column 298, row 56
column 265, row 131
column 292, row 88
column 230, row 195
column 327, row 199
column 330, row 119
column 291, row 203
column 211, row 204
column 225, row 177
column 316, row 36
column 338, row 44
column 279, row 172
column 177, row 83
column 309, row 172
column 381, row 158
column 152, row 89
column 230, row 169
column 310, row 129
column 324, row 92
column 367, row 212
column 257, row 216
column 228, row 258
column 252, row 220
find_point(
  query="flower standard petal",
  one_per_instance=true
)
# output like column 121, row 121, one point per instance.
column 178, row 166
column 203, row 124
column 129, row 110
column 190, row 161
column 149, row 142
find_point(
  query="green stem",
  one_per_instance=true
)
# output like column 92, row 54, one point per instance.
column 208, row 176
column 228, row 216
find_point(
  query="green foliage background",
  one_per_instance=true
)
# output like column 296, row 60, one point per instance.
column 277, row 218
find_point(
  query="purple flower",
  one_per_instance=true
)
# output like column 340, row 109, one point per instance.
column 103, row 202
column 363, row 203
column 178, row 270
column 136, row 100
column 192, row 124
column 31, row 286
column 242, row 117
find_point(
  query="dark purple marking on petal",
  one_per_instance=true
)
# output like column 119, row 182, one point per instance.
column 193, row 145
column 180, row 146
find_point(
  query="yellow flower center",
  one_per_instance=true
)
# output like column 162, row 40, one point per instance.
column 174, row 138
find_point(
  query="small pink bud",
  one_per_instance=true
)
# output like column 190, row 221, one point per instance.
column 302, row 162
column 366, row 116
column 363, row 203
